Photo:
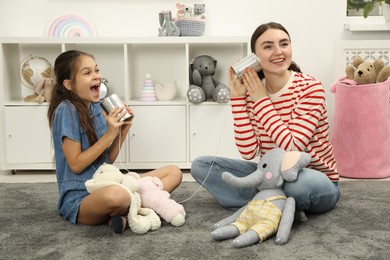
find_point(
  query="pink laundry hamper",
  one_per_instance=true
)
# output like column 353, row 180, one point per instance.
column 360, row 132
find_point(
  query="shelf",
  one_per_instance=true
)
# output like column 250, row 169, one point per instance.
column 120, row 40
column 165, row 132
column 368, row 27
column 373, row 23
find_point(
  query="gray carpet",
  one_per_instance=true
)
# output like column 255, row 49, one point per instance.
column 358, row 228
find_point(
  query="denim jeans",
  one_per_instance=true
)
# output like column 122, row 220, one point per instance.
column 313, row 191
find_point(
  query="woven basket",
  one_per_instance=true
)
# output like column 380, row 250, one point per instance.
column 191, row 26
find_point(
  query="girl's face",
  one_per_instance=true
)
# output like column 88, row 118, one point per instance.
column 87, row 80
column 273, row 48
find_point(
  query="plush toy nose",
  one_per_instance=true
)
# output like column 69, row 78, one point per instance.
column 360, row 73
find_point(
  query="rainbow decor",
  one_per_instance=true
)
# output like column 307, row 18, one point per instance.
column 71, row 25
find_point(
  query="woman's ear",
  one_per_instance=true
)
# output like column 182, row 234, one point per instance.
column 67, row 84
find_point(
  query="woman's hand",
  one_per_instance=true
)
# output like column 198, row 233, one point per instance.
column 237, row 88
column 254, row 85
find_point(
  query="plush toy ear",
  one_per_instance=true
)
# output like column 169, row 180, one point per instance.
column 215, row 65
column 191, row 70
column 350, row 72
column 378, row 64
column 292, row 163
column 357, row 61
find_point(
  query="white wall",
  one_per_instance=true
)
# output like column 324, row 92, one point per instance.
column 313, row 25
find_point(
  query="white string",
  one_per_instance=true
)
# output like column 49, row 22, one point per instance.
column 201, row 185
column 212, row 163
column 119, row 150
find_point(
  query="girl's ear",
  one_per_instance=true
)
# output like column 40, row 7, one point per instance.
column 67, row 84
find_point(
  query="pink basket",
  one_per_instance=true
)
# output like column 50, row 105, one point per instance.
column 361, row 129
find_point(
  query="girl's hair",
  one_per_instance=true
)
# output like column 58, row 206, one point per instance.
column 65, row 68
column 260, row 30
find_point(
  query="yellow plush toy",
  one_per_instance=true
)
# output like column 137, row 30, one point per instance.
column 366, row 72
column 141, row 220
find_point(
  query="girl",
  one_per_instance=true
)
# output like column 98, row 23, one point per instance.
column 85, row 137
column 277, row 107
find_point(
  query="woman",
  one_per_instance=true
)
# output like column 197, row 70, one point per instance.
column 277, row 107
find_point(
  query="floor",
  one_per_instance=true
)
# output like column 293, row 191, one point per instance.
column 49, row 176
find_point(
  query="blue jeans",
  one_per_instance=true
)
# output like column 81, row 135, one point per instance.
column 313, row 191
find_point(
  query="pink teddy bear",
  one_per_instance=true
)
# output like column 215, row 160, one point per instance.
column 154, row 197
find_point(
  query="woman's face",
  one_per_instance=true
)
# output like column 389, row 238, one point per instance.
column 273, row 48
column 88, row 79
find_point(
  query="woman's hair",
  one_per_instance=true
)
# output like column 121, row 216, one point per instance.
column 65, row 68
column 260, row 30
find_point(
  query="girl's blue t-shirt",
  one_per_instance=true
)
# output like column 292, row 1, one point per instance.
column 66, row 123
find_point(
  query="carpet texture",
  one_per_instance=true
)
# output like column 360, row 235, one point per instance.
column 30, row 228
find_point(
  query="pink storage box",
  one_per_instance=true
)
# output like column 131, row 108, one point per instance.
column 360, row 132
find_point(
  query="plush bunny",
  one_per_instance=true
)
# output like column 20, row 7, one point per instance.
column 153, row 196
column 168, row 27
column 42, row 92
column 141, row 220
column 203, row 85
column 270, row 211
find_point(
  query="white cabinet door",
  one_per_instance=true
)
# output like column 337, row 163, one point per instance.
column 158, row 134
column 211, row 131
column 28, row 137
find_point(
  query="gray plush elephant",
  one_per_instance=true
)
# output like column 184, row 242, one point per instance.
column 270, row 211
column 203, row 85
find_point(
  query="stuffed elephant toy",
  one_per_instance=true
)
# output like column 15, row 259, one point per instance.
column 270, row 211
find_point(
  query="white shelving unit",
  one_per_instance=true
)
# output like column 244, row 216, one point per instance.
column 163, row 132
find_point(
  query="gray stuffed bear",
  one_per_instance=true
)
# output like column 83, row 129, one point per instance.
column 203, row 85
column 199, row 11
column 270, row 211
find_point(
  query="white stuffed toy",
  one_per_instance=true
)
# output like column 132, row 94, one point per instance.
column 141, row 220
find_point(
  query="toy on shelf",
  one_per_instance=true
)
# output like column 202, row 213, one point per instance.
column 168, row 27
column 191, row 21
column 203, row 85
column 148, row 91
column 37, row 73
column 165, row 91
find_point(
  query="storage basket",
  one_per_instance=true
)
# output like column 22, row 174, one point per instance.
column 191, row 26
column 361, row 129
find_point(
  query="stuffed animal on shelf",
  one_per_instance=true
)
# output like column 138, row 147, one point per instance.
column 199, row 11
column 154, row 197
column 140, row 220
column 270, row 211
column 168, row 27
column 367, row 72
column 183, row 11
column 203, row 85
column 42, row 92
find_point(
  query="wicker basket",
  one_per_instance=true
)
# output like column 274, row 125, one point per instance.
column 191, row 26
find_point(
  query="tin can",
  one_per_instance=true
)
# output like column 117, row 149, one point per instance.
column 112, row 102
column 249, row 61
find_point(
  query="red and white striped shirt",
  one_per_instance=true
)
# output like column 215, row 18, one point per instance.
column 296, row 120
